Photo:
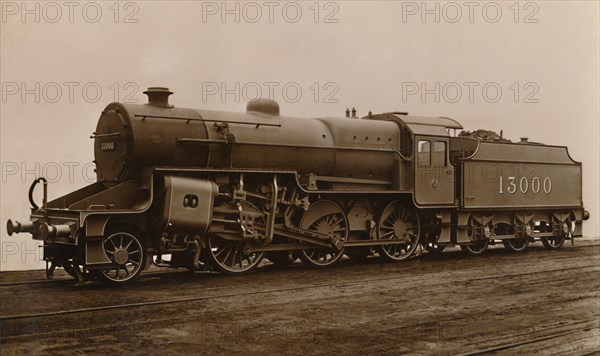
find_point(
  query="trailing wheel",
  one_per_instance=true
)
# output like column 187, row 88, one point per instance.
column 229, row 254
column 325, row 217
column 128, row 256
column 399, row 223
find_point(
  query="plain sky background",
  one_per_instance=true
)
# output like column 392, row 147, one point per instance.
column 372, row 55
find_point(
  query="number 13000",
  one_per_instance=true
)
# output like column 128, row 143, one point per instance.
column 524, row 185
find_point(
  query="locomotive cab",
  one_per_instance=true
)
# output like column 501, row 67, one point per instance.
column 433, row 169
column 425, row 150
column 434, row 174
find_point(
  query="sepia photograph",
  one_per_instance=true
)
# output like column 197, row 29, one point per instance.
column 300, row 177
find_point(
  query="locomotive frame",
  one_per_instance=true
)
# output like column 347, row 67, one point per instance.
column 223, row 190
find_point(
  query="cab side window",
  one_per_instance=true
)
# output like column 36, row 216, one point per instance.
column 439, row 153
column 424, row 153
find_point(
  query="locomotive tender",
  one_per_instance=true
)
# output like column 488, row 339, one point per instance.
column 223, row 190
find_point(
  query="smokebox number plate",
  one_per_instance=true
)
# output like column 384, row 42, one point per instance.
column 108, row 146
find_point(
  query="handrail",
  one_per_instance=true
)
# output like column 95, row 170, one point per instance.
column 257, row 124
column 45, row 199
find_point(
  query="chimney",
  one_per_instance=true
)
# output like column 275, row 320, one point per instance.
column 347, row 112
column 524, row 139
column 159, row 96
column 353, row 112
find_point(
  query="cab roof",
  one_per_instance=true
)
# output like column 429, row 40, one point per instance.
column 419, row 125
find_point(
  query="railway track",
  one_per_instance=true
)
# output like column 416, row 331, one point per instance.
column 250, row 293
column 550, row 332
column 72, row 280
column 159, row 272
column 501, row 303
column 555, row 333
column 45, row 281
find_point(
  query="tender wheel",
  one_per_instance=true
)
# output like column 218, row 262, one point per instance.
column 476, row 248
column 126, row 252
column 516, row 245
column 480, row 244
column 398, row 222
column 325, row 217
column 553, row 243
column 229, row 253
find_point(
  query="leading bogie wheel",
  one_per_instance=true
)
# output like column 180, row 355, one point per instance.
column 127, row 253
column 325, row 217
column 400, row 224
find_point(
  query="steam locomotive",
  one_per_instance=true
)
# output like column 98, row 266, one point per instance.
column 222, row 190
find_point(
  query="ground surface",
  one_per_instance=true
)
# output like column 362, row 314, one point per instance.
column 538, row 301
